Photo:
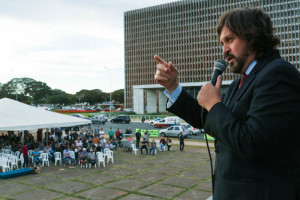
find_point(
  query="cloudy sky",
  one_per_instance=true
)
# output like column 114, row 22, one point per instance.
column 68, row 44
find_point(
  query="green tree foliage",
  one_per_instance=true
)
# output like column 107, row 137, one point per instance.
column 39, row 91
column 15, row 89
column 91, row 96
column 118, row 95
column 28, row 90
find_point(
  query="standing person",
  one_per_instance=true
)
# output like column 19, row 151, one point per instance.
column 117, row 132
column 111, row 133
column 181, row 141
column 143, row 119
column 138, row 138
column 25, row 155
column 256, row 125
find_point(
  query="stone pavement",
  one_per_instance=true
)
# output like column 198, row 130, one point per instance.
column 167, row 175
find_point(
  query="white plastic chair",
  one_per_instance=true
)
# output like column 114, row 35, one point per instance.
column 13, row 160
column 4, row 164
column 17, row 153
column 72, row 155
column 101, row 158
column 110, row 156
column 21, row 159
column 30, row 157
column 135, row 151
column 45, row 159
column 57, row 158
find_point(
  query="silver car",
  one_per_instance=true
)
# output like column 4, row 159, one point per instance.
column 98, row 120
column 192, row 130
column 174, row 131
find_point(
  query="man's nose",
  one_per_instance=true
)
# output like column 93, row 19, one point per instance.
column 226, row 49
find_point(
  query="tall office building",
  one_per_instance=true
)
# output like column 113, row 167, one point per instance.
column 184, row 32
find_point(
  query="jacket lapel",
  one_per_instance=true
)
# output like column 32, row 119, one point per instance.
column 238, row 92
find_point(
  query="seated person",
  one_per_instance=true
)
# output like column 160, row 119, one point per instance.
column 92, row 157
column 169, row 143
column 162, row 143
column 67, row 155
column 98, row 148
column 146, row 136
column 144, row 146
column 36, row 156
column 76, row 150
column 49, row 151
column 152, row 147
column 83, row 157
column 114, row 143
column 109, row 146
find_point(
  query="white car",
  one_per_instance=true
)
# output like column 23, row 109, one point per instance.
column 192, row 130
column 174, row 131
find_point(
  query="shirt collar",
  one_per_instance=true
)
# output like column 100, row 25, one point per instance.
column 251, row 66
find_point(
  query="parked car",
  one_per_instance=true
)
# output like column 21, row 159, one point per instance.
column 155, row 120
column 191, row 129
column 80, row 116
column 98, row 120
column 174, row 131
column 121, row 119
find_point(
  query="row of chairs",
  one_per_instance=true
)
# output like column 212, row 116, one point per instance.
column 100, row 158
column 9, row 162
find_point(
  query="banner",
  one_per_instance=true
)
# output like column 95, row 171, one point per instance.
column 209, row 137
column 152, row 133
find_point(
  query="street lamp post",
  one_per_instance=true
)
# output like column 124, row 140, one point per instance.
column 110, row 91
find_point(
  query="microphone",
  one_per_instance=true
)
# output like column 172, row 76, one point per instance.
column 219, row 67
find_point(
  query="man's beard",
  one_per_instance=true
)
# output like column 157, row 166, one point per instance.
column 240, row 62
column 236, row 67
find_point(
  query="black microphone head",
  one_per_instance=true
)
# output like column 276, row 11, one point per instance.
column 220, row 65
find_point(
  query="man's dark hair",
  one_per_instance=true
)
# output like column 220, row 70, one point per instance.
column 252, row 25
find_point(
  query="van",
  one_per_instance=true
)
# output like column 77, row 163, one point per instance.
column 167, row 121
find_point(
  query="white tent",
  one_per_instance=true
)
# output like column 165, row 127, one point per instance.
column 15, row 116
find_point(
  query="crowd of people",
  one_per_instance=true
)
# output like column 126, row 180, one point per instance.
column 85, row 144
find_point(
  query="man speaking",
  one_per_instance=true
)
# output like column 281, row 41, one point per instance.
column 257, row 124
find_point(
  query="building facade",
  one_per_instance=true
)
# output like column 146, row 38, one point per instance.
column 184, row 32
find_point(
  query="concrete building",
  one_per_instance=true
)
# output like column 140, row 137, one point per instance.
column 184, row 32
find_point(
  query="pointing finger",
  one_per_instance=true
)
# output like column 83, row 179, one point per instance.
column 160, row 61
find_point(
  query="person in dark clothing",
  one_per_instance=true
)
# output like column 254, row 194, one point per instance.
column 25, row 155
column 256, row 125
column 181, row 140
column 144, row 146
column 138, row 138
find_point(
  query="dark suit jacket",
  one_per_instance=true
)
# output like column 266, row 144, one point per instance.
column 257, row 132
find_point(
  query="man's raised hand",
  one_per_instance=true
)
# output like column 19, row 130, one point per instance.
column 166, row 74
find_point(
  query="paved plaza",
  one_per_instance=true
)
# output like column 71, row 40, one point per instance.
column 167, row 175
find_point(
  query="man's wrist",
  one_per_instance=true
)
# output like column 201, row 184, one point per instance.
column 171, row 89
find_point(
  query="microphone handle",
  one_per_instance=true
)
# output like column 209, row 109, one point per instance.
column 215, row 76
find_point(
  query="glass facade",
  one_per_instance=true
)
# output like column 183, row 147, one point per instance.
column 184, row 32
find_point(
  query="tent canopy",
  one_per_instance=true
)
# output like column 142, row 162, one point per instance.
column 15, row 116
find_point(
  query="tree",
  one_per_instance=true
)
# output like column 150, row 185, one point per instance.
column 91, row 96
column 118, row 95
column 15, row 89
column 39, row 91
